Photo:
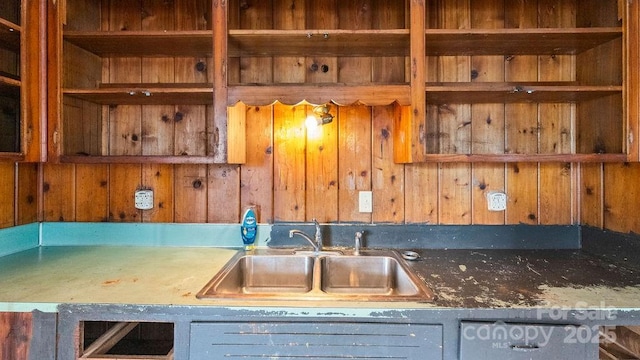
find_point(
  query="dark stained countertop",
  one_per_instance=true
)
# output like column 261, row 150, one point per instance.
column 44, row 277
column 526, row 278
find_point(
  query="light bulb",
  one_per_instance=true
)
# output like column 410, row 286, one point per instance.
column 311, row 122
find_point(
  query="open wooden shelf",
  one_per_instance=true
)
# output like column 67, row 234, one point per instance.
column 465, row 158
column 137, row 159
column 9, row 86
column 7, row 156
column 318, row 42
column 9, row 35
column 395, row 42
column 146, row 94
column 340, row 94
column 488, row 92
column 535, row 41
column 143, row 43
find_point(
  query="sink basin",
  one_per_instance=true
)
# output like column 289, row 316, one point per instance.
column 264, row 274
column 380, row 275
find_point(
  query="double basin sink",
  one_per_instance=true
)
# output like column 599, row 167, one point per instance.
column 280, row 274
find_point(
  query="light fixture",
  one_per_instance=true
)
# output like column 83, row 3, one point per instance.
column 321, row 116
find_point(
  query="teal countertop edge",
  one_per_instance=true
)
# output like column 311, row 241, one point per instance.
column 24, row 237
column 147, row 234
column 19, row 238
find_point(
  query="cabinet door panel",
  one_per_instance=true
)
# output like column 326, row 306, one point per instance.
column 480, row 341
column 315, row 340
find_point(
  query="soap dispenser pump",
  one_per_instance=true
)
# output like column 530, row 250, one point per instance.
column 249, row 228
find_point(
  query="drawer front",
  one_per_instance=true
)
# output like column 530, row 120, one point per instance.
column 324, row 341
column 481, row 340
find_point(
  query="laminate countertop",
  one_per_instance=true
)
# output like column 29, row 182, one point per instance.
column 44, row 277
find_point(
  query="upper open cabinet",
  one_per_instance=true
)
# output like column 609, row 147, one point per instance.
column 320, row 51
column 481, row 80
column 133, row 80
column 545, row 80
column 19, row 88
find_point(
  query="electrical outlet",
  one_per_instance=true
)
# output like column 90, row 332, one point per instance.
column 365, row 201
column 496, row 201
column 144, row 199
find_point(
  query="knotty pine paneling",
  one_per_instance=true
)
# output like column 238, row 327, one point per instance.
column 591, row 192
column 18, row 194
column 487, row 119
column 355, row 163
column 7, row 194
column 387, row 178
column 27, row 189
column 225, row 179
column 159, row 176
column 92, row 192
column 94, row 129
column 322, row 172
column 290, row 176
column 610, row 196
column 257, row 174
column 289, row 163
column 621, row 197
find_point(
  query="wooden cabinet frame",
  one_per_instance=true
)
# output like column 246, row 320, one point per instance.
column 28, row 37
column 411, row 131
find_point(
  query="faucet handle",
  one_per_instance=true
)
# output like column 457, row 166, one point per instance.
column 358, row 242
column 318, row 231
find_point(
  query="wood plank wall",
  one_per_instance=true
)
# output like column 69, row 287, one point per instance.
column 292, row 176
column 18, row 194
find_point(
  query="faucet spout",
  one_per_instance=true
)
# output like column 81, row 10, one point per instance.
column 316, row 242
column 303, row 235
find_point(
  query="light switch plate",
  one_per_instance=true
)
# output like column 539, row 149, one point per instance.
column 365, row 201
column 144, row 199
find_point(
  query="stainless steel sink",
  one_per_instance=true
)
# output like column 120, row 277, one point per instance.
column 367, row 275
column 264, row 274
column 380, row 275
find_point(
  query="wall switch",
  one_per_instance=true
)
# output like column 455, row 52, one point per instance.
column 496, row 201
column 144, row 199
column 365, row 203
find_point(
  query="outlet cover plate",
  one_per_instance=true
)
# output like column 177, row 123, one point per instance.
column 497, row 201
column 144, row 199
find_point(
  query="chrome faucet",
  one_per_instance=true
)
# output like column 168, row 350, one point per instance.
column 316, row 242
column 356, row 248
